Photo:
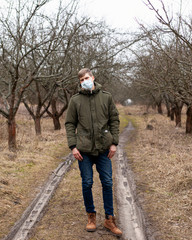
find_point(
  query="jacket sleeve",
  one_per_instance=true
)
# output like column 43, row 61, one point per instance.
column 113, row 121
column 71, row 124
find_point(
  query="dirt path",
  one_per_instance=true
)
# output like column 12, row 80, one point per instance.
column 65, row 218
column 131, row 218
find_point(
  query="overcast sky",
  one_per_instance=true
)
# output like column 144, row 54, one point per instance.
column 118, row 13
column 123, row 13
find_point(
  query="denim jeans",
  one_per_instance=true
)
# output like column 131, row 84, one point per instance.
column 104, row 168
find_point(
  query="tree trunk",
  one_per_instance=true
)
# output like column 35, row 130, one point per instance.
column 178, row 116
column 172, row 114
column 38, row 125
column 55, row 115
column 168, row 110
column 56, row 122
column 12, row 134
column 189, row 120
column 159, row 108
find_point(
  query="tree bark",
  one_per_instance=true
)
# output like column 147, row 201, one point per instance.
column 189, row 120
column 38, row 125
column 172, row 114
column 56, row 122
column 178, row 116
column 159, row 108
column 55, row 115
column 168, row 109
column 12, row 134
column 168, row 112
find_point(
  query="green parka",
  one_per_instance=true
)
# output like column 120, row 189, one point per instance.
column 92, row 121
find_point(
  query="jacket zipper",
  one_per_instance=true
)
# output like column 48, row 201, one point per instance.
column 92, row 132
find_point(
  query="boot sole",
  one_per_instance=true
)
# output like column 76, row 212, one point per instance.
column 114, row 234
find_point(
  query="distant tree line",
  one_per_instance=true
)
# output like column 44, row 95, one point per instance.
column 162, row 66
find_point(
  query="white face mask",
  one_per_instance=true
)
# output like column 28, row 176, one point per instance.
column 87, row 84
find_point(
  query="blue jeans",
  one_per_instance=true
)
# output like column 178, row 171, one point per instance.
column 104, row 168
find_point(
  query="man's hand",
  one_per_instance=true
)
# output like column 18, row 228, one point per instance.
column 77, row 154
column 112, row 151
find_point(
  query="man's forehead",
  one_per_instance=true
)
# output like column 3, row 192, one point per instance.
column 84, row 76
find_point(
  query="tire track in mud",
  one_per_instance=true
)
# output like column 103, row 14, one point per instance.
column 131, row 218
column 33, row 213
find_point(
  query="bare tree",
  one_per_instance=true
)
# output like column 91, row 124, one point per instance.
column 43, row 97
column 181, row 28
column 56, row 70
column 15, row 48
column 59, row 104
column 27, row 39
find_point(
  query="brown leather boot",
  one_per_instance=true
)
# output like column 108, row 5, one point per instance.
column 91, row 225
column 110, row 225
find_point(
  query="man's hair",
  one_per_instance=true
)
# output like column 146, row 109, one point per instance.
column 83, row 71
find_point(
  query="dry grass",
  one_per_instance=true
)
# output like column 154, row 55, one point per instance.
column 162, row 161
column 24, row 171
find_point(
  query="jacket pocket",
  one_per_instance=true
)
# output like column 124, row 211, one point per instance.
column 107, row 139
column 84, row 142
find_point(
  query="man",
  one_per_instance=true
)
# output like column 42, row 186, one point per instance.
column 92, row 126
